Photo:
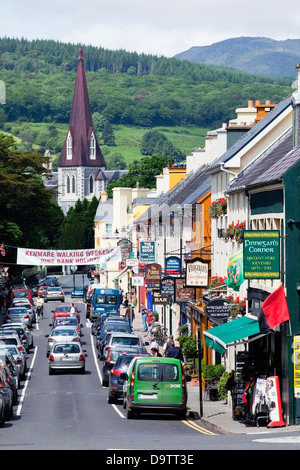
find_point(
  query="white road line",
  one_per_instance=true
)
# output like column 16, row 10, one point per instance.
column 21, row 398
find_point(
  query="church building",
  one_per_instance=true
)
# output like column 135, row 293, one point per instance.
column 81, row 165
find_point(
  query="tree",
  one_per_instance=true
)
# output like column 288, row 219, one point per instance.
column 115, row 161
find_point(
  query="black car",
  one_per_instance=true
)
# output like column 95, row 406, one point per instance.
column 115, row 383
column 111, row 360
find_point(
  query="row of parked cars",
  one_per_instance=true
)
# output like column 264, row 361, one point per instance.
column 16, row 341
column 144, row 383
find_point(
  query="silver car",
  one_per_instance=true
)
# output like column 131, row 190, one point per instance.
column 124, row 339
column 62, row 334
column 67, row 356
column 20, row 359
column 25, row 303
column 54, row 293
column 25, row 334
column 18, row 315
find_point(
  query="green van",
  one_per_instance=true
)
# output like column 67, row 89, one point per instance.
column 155, row 385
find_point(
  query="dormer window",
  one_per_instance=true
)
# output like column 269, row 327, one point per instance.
column 92, row 147
column 69, row 146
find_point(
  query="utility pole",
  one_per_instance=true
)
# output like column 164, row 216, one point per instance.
column 200, row 370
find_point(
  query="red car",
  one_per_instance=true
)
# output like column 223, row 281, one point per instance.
column 64, row 311
column 41, row 290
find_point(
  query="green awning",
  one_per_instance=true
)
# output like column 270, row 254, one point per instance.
column 219, row 337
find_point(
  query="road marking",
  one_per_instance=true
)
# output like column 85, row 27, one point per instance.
column 279, row 440
column 198, row 428
column 95, row 359
column 28, row 374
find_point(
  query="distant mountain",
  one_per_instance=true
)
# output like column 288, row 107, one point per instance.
column 256, row 55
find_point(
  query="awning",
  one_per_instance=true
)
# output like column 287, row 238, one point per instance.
column 219, row 337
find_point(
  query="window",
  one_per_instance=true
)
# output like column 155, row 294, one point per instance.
column 108, row 229
column 69, row 146
column 68, row 184
column 92, row 147
column 73, row 184
column 91, row 184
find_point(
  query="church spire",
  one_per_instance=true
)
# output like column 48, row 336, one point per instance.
column 81, row 147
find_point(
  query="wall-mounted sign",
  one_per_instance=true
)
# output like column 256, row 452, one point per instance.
column 167, row 285
column 153, row 272
column 160, row 299
column 147, row 252
column 261, row 250
column 137, row 281
column 217, row 310
column 183, row 293
column 126, row 248
column 173, row 265
column 196, row 273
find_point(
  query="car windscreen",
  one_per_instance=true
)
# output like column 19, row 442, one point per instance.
column 19, row 311
column 103, row 299
column 152, row 372
column 126, row 341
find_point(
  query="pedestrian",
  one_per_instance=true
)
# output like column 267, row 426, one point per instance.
column 144, row 316
column 129, row 315
column 72, row 310
column 121, row 295
column 168, row 344
column 39, row 307
column 175, row 351
column 155, row 352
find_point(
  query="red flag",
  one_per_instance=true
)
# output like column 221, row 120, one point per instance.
column 274, row 310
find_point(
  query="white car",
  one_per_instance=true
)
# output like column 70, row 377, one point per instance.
column 62, row 334
column 20, row 359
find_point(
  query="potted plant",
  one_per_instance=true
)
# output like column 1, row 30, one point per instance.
column 218, row 208
column 217, row 285
column 237, row 306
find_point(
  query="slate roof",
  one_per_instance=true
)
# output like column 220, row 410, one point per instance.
column 252, row 133
column 81, row 126
column 104, row 211
column 270, row 167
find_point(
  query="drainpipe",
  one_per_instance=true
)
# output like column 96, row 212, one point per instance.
column 227, row 171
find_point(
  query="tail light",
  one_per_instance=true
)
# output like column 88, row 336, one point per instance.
column 24, row 336
column 81, row 358
column 118, row 310
column 2, row 385
column 131, row 385
column 116, row 371
column 75, row 340
column 108, row 357
column 51, row 358
column 108, row 349
column 19, row 361
column 51, row 340
column 183, row 388
column 78, row 329
column 20, row 348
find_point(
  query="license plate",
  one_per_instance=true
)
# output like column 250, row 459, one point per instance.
column 66, row 359
column 144, row 396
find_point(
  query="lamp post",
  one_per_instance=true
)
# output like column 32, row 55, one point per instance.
column 200, row 370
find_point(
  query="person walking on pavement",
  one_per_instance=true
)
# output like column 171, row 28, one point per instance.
column 175, row 351
column 168, row 344
column 129, row 315
column 144, row 316
column 72, row 310
column 39, row 307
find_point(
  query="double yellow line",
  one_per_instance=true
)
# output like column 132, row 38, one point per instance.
column 198, row 428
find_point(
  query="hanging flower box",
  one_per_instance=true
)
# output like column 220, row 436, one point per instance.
column 235, row 232
column 218, row 208
column 237, row 306
column 217, row 285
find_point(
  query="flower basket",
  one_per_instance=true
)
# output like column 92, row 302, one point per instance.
column 235, row 232
column 217, row 285
column 218, row 208
column 237, row 306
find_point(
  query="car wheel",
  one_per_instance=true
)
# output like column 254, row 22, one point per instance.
column 82, row 371
column 130, row 414
column 105, row 383
column 181, row 415
column 51, row 371
column 111, row 400
column 2, row 419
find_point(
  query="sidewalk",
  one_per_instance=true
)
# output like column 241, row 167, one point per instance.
column 216, row 414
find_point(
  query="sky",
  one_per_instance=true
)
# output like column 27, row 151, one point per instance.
column 158, row 27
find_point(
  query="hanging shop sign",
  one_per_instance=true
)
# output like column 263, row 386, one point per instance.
column 137, row 281
column 173, row 265
column 160, row 299
column 147, row 252
column 196, row 273
column 217, row 310
column 126, row 248
column 261, row 251
column 167, row 285
column 183, row 293
column 153, row 273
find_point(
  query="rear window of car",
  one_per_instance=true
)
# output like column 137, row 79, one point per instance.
column 64, row 332
column 66, row 349
column 126, row 341
column 19, row 311
column 10, row 340
column 122, row 328
column 157, row 371
column 66, row 321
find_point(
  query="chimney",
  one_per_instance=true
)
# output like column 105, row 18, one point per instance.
column 104, row 196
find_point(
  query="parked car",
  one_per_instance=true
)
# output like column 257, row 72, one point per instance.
column 77, row 292
column 110, row 326
column 8, row 368
column 28, row 305
column 67, row 356
column 64, row 311
column 24, row 333
column 54, row 293
column 16, row 331
column 67, row 321
column 96, row 325
column 62, row 334
column 18, row 315
column 155, row 385
column 121, row 365
column 7, row 395
column 124, row 339
column 20, row 293
column 12, row 339
column 19, row 359
column 2, row 411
